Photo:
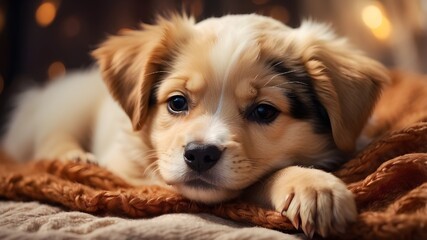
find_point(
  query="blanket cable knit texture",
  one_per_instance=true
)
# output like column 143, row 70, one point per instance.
column 388, row 179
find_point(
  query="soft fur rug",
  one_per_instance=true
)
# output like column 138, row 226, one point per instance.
column 388, row 179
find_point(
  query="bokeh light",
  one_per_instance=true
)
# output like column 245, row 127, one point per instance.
column 56, row 69
column 383, row 31
column 374, row 18
column 46, row 13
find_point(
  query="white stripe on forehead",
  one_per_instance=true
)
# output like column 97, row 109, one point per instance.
column 231, row 44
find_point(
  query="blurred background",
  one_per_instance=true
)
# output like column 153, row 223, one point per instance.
column 42, row 39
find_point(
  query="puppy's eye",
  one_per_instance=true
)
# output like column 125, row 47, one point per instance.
column 263, row 113
column 177, row 104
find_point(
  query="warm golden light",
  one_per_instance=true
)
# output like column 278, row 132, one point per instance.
column 55, row 69
column 2, row 20
column 124, row 30
column 45, row 13
column 383, row 31
column 374, row 18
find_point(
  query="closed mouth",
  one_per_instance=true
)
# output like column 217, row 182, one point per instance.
column 199, row 184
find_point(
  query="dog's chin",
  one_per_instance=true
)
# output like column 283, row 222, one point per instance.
column 203, row 192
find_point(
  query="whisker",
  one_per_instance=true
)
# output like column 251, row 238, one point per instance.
column 256, row 77
column 145, row 155
column 256, row 163
column 277, row 63
column 272, row 66
column 286, row 83
column 151, row 168
column 151, row 156
column 279, row 74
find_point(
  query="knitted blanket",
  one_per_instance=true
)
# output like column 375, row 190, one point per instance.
column 388, row 179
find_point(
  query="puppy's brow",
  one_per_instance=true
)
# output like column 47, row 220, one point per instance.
column 299, row 90
column 280, row 74
column 295, row 75
column 154, row 93
column 279, row 67
column 159, row 75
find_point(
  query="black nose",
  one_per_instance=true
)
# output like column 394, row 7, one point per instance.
column 201, row 157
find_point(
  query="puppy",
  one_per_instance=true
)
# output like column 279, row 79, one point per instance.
column 237, row 105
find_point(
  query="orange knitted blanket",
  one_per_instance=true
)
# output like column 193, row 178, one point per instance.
column 388, row 179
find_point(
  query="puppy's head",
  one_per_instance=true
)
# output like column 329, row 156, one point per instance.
column 228, row 100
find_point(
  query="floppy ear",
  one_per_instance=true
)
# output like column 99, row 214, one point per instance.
column 131, row 63
column 347, row 82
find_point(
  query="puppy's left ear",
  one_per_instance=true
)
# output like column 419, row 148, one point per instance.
column 132, row 62
column 347, row 82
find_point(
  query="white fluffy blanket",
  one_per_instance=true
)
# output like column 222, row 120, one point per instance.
column 33, row 220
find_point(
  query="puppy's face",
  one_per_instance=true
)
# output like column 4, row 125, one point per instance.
column 222, row 123
column 229, row 100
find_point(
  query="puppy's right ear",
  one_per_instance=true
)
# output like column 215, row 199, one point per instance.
column 130, row 63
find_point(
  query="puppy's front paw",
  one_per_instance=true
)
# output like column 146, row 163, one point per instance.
column 314, row 200
column 79, row 156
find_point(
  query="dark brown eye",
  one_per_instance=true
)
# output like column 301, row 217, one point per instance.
column 263, row 114
column 177, row 104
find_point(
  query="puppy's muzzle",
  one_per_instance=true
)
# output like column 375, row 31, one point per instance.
column 201, row 157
